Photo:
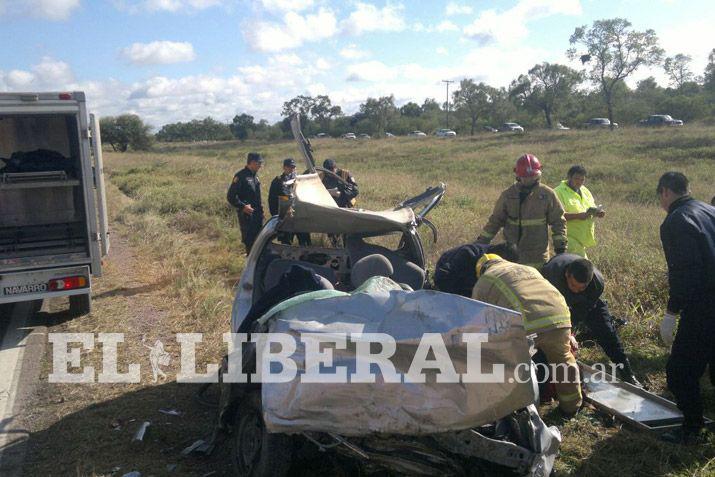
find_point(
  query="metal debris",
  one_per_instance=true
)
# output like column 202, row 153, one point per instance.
column 170, row 412
column 139, row 436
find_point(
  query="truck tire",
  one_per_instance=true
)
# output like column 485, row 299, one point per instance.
column 254, row 451
column 80, row 305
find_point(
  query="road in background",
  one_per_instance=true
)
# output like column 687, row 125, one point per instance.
column 21, row 347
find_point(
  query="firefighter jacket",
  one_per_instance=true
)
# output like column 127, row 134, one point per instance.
column 526, row 222
column 688, row 237
column 522, row 288
column 581, row 232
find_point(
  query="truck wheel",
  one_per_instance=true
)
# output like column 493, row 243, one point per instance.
column 80, row 305
column 255, row 452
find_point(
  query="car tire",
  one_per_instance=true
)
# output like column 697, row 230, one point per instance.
column 80, row 305
column 254, row 451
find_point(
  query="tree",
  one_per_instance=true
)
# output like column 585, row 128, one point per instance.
column 709, row 76
column 471, row 98
column 378, row 112
column 430, row 106
column 411, row 110
column 614, row 52
column 678, row 70
column 299, row 105
column 127, row 130
column 545, row 88
column 242, row 124
column 322, row 111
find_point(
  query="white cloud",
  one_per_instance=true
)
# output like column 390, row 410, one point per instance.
column 51, row 72
column 289, row 59
column 446, row 26
column 286, row 5
column 440, row 50
column 55, row 10
column 173, row 6
column 510, row 26
column 368, row 18
column 159, row 53
column 322, row 64
column 457, row 9
column 370, row 71
column 292, row 32
column 19, row 79
column 352, row 52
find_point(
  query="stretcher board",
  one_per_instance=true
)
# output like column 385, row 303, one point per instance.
column 630, row 404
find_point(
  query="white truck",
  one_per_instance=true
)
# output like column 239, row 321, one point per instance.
column 53, row 218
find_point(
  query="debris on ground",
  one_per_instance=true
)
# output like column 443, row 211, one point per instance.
column 200, row 446
column 170, row 412
column 139, row 435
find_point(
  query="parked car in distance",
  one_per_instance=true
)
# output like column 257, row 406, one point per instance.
column 561, row 127
column 417, row 134
column 490, row 129
column 661, row 120
column 389, row 134
column 599, row 123
column 445, row 133
column 321, row 135
column 349, row 136
column 511, row 127
column 364, row 136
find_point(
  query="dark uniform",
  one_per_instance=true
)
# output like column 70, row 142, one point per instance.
column 280, row 190
column 245, row 190
column 688, row 237
column 588, row 308
column 348, row 189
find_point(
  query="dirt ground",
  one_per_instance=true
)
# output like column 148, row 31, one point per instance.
column 87, row 429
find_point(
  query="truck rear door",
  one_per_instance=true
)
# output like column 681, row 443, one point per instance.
column 101, row 196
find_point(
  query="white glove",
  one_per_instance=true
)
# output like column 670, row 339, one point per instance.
column 667, row 328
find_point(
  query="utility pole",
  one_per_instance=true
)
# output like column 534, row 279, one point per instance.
column 447, row 82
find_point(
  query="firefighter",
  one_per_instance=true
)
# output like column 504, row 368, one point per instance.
column 279, row 195
column 343, row 192
column 688, row 238
column 525, row 211
column 580, row 209
column 244, row 194
column 582, row 285
column 523, row 289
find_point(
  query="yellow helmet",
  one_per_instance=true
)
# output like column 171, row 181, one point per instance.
column 483, row 260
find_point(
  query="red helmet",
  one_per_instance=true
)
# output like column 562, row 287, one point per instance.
column 527, row 165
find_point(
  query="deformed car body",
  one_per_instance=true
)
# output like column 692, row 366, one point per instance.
column 415, row 428
column 660, row 120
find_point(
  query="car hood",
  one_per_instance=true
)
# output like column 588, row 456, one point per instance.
column 314, row 210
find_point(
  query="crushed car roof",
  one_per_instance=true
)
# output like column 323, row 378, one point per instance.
column 314, row 210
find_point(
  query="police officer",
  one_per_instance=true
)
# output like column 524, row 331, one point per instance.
column 344, row 192
column 582, row 285
column 280, row 192
column 688, row 238
column 245, row 195
column 525, row 211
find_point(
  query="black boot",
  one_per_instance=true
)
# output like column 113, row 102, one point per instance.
column 627, row 376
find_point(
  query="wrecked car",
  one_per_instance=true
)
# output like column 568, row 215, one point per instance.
column 388, row 418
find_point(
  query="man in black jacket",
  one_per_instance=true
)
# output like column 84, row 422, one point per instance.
column 343, row 192
column 688, row 238
column 244, row 194
column 582, row 285
column 280, row 191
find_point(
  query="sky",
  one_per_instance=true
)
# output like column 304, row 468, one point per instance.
column 178, row 60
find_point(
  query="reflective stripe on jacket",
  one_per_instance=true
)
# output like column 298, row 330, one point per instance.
column 526, row 224
column 522, row 288
column 579, row 230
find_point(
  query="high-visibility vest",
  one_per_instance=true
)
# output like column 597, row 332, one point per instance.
column 579, row 230
column 522, row 288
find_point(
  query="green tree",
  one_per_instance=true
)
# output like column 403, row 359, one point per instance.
column 709, row 76
column 430, row 106
column 545, row 89
column 322, row 111
column 614, row 51
column 379, row 112
column 241, row 126
column 472, row 99
column 678, row 69
column 127, row 130
column 411, row 110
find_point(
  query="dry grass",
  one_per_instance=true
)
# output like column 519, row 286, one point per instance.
column 177, row 215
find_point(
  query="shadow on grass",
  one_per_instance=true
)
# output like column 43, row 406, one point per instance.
column 126, row 292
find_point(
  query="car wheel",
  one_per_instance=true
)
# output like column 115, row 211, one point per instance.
column 254, row 451
column 80, row 305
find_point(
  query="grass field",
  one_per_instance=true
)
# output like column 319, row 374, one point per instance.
column 179, row 216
